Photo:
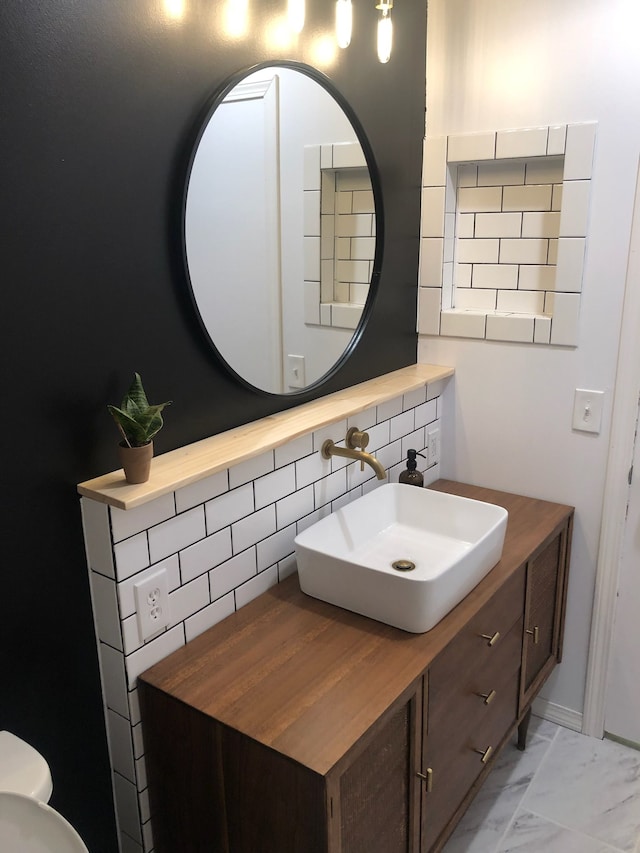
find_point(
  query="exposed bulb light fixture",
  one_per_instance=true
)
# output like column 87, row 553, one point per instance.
column 295, row 15
column 236, row 18
column 344, row 22
column 385, row 30
column 174, row 9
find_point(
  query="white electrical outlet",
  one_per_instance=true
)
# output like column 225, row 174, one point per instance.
column 152, row 604
column 433, row 446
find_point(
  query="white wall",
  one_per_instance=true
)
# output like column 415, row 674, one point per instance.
column 496, row 64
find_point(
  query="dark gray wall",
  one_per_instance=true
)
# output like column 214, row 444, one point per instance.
column 99, row 100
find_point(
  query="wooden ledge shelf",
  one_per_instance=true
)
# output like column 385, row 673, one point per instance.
column 186, row 465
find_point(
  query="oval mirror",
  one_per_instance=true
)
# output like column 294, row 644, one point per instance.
column 281, row 211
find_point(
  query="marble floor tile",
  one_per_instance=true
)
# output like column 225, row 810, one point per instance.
column 542, row 728
column 531, row 833
column 494, row 806
column 591, row 786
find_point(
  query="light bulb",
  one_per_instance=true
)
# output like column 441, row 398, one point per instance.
column 295, row 15
column 236, row 18
column 174, row 9
column 344, row 22
column 385, row 36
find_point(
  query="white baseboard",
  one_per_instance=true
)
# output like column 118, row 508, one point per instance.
column 557, row 714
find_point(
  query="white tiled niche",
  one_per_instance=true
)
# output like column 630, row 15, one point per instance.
column 339, row 234
column 503, row 233
column 222, row 541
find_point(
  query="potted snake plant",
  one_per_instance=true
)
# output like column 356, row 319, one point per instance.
column 138, row 422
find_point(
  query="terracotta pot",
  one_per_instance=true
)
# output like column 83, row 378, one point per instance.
column 136, row 462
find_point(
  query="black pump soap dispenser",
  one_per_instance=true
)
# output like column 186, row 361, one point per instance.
column 410, row 475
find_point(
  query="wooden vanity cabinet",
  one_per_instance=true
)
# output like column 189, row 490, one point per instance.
column 297, row 727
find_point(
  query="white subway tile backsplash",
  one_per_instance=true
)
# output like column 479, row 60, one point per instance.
column 363, row 420
column 247, row 471
column 402, row 425
column 542, row 330
column 272, row 487
column 256, row 586
column 426, row 413
column 545, row 171
column 275, row 548
column 209, row 616
column 104, row 599
column 348, row 155
column 414, row 398
column 126, row 523
column 227, row 508
column 467, row 175
column 363, row 202
column 462, row 275
column 152, row 652
column 313, row 467
column 126, row 799
column 202, row 490
column 466, row 225
column 389, row 409
column 415, row 440
column 177, row 533
column 97, row 539
column 294, row 506
column 205, row 554
column 131, row 555
column 552, row 256
column 114, row 679
column 329, row 488
column 120, row 745
column 434, row 173
column 131, row 639
column 229, row 575
column 188, row 599
column 379, row 435
column 253, row 528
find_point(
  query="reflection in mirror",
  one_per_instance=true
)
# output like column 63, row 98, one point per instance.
column 280, row 229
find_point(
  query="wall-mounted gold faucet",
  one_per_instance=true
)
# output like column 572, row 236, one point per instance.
column 356, row 441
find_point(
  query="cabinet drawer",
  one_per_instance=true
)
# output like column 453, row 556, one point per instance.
column 465, row 703
column 454, row 746
column 470, row 652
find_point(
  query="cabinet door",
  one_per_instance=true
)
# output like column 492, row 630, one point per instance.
column 544, row 613
column 375, row 801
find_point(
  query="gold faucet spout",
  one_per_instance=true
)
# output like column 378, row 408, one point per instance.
column 329, row 449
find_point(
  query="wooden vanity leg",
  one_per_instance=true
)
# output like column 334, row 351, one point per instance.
column 522, row 731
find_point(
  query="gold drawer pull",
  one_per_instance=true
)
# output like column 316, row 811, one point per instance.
column 492, row 640
column 535, row 634
column 428, row 778
column 486, row 754
column 488, row 697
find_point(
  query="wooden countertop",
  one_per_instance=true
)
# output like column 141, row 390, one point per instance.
column 307, row 678
column 186, row 465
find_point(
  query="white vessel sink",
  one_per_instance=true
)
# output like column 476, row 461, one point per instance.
column 444, row 546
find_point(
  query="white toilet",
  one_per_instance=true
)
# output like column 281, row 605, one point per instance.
column 27, row 823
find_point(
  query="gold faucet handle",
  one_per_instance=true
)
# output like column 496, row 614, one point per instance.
column 357, row 438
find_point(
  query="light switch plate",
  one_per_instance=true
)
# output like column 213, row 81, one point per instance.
column 587, row 410
column 295, row 371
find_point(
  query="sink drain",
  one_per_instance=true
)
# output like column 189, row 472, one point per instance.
column 403, row 565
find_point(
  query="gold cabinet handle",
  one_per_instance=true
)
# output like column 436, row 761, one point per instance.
column 492, row 639
column 535, row 634
column 486, row 753
column 488, row 697
column 428, row 778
